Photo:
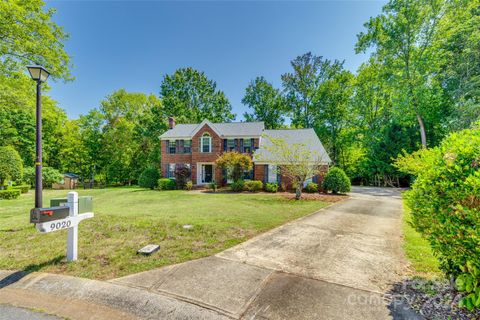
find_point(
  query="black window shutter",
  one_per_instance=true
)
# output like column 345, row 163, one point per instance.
column 252, row 146
column 241, row 145
column 225, row 141
column 224, row 175
column 265, row 174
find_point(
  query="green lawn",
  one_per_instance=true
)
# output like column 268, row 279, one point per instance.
column 129, row 218
column 418, row 250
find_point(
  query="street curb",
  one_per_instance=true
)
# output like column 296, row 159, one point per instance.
column 67, row 296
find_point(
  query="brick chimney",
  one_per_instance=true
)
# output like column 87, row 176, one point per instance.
column 171, row 122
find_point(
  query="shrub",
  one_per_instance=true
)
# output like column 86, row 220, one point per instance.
column 148, row 178
column 235, row 163
column 271, row 187
column 9, row 194
column 23, row 188
column 445, row 205
column 166, row 184
column 312, row 187
column 237, row 186
column 336, row 181
column 253, row 185
column 189, row 185
column 182, row 175
column 213, row 186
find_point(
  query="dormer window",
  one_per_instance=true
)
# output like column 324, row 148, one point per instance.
column 206, row 143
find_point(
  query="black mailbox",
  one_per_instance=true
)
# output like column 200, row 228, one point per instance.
column 39, row 215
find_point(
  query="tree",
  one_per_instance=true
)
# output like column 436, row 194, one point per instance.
column 190, row 97
column 11, row 166
column 333, row 99
column 266, row 102
column 29, row 36
column 403, row 36
column 294, row 161
column 302, row 86
column 235, row 163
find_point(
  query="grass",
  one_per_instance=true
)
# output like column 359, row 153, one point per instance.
column 418, row 250
column 126, row 219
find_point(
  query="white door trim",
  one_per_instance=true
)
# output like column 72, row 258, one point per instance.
column 200, row 170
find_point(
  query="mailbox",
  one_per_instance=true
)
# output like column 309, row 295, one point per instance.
column 85, row 203
column 39, row 215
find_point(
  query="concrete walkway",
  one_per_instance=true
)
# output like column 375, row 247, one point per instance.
column 334, row 264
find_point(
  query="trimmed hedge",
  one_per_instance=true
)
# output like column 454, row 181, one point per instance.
column 336, row 181
column 253, row 185
column 271, row 187
column 166, row 184
column 23, row 188
column 9, row 194
column 312, row 187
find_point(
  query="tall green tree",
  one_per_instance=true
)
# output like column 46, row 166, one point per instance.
column 403, row 37
column 301, row 87
column 266, row 102
column 190, row 97
column 29, row 36
column 333, row 100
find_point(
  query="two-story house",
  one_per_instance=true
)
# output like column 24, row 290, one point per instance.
column 197, row 146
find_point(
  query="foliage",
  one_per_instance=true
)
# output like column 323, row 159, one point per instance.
column 336, row 181
column 253, row 185
column 266, row 102
column 9, row 194
column 23, row 188
column 29, row 36
column 189, row 185
column 49, row 176
column 11, row 166
column 149, row 178
column 311, row 187
column 237, row 186
column 295, row 161
column 182, row 175
column 445, row 205
column 303, row 86
column 190, row 97
column 235, row 163
column 404, row 36
column 271, row 187
column 213, row 186
column 166, row 184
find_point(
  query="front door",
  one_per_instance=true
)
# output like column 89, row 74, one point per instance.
column 207, row 173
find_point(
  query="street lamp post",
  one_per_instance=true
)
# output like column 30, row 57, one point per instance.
column 38, row 74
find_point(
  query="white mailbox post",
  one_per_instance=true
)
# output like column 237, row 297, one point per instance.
column 70, row 223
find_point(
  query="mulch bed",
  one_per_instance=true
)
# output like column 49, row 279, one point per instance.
column 432, row 299
column 315, row 196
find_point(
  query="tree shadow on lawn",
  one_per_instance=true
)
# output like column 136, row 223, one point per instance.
column 18, row 275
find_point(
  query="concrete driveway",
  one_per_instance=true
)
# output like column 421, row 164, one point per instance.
column 334, row 264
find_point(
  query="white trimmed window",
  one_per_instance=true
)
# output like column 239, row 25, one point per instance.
column 206, row 143
column 272, row 173
column 171, row 170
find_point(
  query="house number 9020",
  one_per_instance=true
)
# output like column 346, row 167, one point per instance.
column 60, row 225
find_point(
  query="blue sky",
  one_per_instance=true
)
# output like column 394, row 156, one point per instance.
column 133, row 44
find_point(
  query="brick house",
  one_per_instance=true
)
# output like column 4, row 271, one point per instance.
column 197, row 146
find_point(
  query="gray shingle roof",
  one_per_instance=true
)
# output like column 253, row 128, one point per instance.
column 290, row 136
column 229, row 129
